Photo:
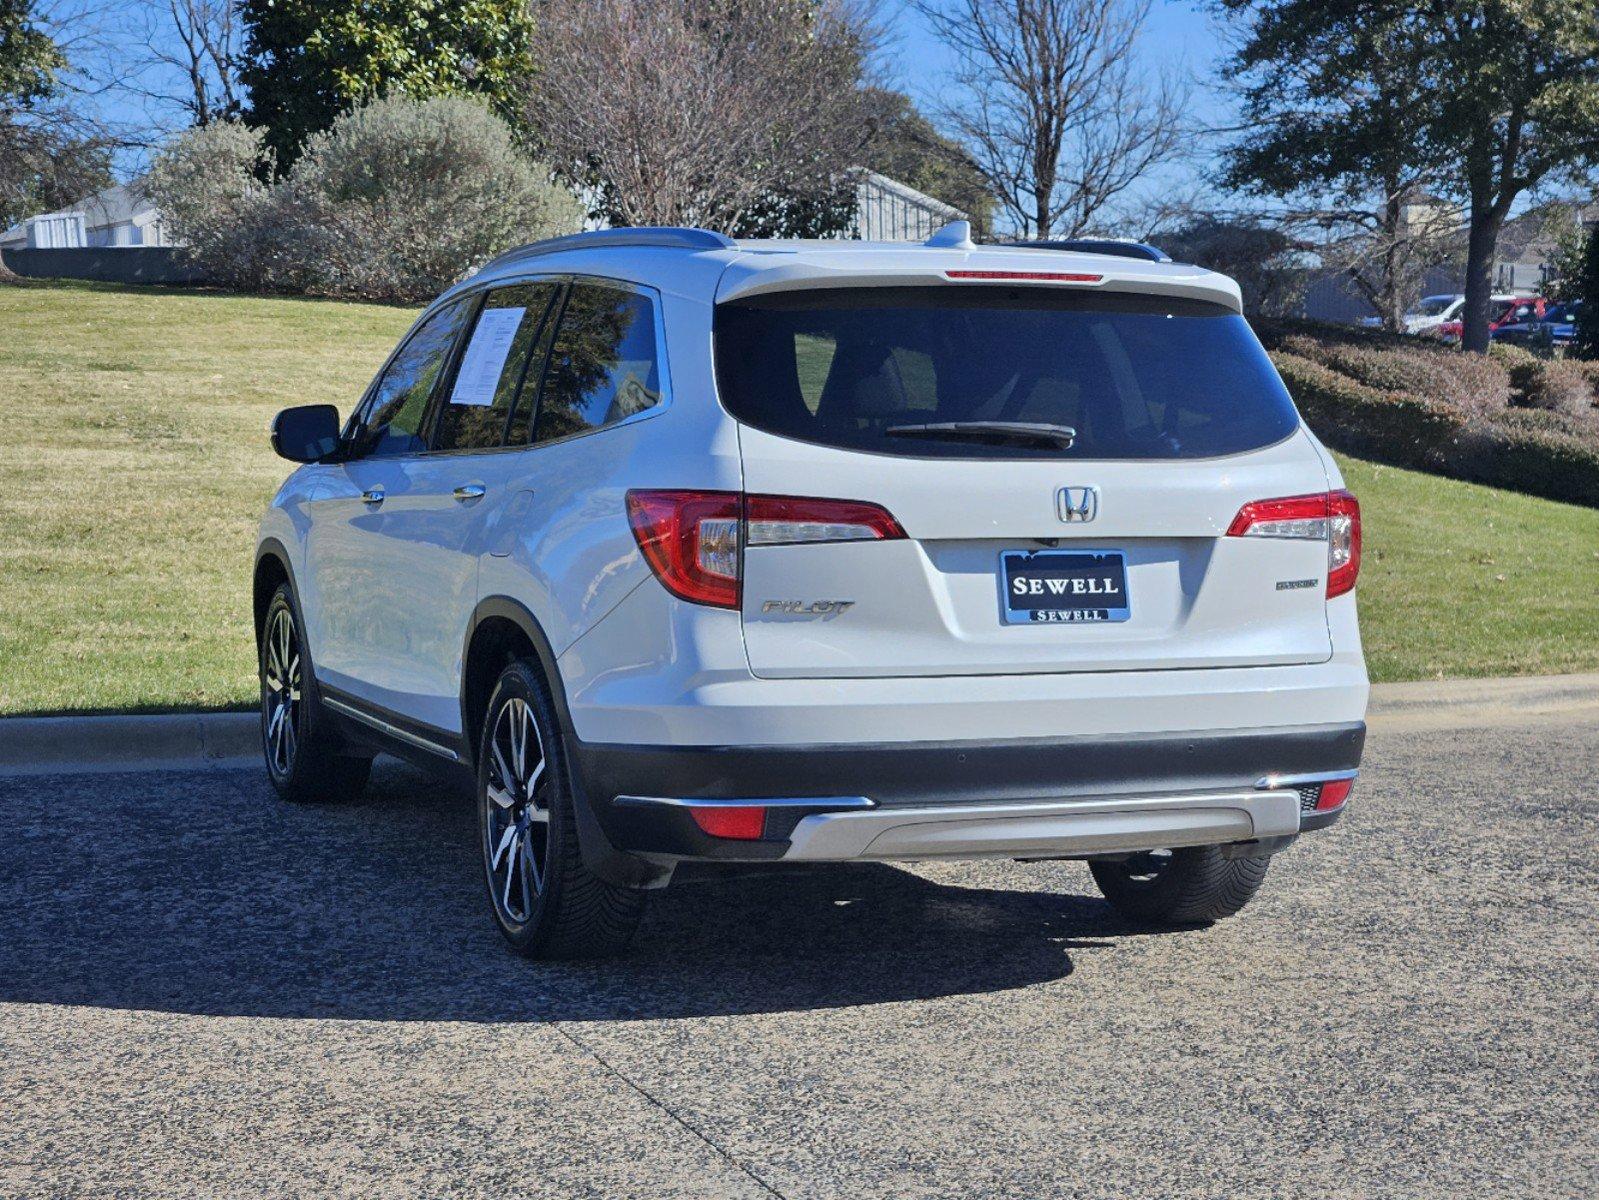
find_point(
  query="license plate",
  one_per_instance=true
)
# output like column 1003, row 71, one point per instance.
column 1041, row 586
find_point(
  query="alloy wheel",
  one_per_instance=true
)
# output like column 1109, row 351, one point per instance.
column 281, row 698
column 516, row 826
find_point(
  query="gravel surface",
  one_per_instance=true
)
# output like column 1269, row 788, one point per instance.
column 206, row 992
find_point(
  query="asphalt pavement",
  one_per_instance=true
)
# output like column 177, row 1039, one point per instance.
column 206, row 992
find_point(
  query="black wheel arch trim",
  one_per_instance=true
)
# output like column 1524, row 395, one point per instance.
column 600, row 855
column 271, row 547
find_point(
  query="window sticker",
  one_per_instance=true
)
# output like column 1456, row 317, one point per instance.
column 485, row 356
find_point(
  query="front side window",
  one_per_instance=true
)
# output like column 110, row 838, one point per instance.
column 494, row 366
column 603, row 366
column 953, row 371
column 391, row 423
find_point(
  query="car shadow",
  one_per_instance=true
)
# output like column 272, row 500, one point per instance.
column 203, row 893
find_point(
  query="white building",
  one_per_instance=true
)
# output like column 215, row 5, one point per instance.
column 887, row 210
column 118, row 216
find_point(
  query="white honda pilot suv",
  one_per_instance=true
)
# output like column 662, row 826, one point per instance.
column 685, row 548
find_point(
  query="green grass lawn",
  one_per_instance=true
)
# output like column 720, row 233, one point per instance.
column 1459, row 579
column 134, row 465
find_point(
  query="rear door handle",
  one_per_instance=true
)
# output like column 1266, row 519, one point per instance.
column 470, row 491
column 372, row 496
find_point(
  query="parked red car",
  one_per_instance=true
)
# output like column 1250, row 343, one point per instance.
column 1502, row 310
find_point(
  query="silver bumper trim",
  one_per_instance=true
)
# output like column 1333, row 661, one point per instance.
column 1265, row 783
column 838, row 802
column 1056, row 828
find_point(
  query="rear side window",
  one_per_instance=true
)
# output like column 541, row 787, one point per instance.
column 603, row 366
column 494, row 365
column 1132, row 376
column 392, row 421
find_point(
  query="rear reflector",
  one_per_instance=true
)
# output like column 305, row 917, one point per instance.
column 1333, row 794
column 1331, row 517
column 694, row 541
column 738, row 822
column 1047, row 276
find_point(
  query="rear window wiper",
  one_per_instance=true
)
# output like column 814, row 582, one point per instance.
column 1034, row 432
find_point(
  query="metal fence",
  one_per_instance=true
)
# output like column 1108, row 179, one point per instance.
column 114, row 264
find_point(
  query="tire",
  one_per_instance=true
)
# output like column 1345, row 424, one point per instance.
column 1191, row 886
column 546, row 902
column 302, row 751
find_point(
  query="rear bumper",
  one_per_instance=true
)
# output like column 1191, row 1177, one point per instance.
column 1033, row 798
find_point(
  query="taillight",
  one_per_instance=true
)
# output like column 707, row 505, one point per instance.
column 1331, row 517
column 786, row 520
column 691, row 541
column 694, row 541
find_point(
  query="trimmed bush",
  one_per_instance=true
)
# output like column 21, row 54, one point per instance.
column 1545, row 463
column 396, row 201
column 1510, row 356
column 406, row 196
column 1542, row 420
column 1528, row 450
column 1554, row 385
column 205, row 184
column 1470, row 382
column 1390, row 426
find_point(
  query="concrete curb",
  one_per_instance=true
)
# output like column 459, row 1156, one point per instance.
column 41, row 745
column 46, row 745
column 1531, row 691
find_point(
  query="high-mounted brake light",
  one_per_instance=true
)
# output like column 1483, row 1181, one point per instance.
column 1047, row 276
column 1331, row 517
column 694, row 541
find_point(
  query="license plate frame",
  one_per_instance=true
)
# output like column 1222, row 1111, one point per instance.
column 1079, row 605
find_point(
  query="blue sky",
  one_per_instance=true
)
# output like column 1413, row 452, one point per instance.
column 1180, row 35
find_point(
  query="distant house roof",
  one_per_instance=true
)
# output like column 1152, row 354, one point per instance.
column 887, row 210
column 120, row 204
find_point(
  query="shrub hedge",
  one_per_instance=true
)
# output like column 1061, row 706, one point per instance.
column 1526, row 451
column 1553, row 384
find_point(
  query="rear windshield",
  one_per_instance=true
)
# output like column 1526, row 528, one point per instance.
column 1129, row 376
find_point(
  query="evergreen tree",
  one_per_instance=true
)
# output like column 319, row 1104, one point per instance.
column 306, row 61
column 1587, row 345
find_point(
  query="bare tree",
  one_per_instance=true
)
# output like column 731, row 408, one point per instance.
column 1385, row 247
column 181, row 58
column 51, row 151
column 720, row 113
column 1048, row 97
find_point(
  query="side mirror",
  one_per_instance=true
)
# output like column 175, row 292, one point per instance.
column 308, row 433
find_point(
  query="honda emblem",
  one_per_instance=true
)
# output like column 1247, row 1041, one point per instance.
column 1077, row 504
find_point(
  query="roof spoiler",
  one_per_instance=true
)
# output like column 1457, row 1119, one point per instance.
column 1111, row 246
column 957, row 235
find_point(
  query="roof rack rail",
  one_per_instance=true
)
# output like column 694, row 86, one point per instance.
column 681, row 238
column 1111, row 246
